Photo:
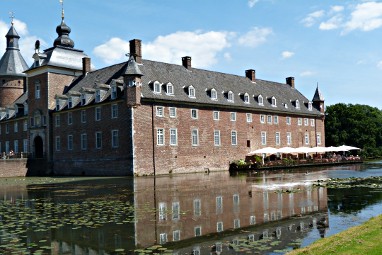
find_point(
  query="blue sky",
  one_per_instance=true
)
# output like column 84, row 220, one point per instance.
column 335, row 44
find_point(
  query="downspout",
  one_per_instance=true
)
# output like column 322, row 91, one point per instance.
column 132, row 140
column 153, row 137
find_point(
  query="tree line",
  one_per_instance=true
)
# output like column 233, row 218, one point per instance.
column 355, row 125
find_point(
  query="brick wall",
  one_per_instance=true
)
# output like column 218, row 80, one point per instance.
column 13, row 168
column 11, row 89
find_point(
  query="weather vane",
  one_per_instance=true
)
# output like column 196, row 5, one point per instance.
column 62, row 9
column 11, row 16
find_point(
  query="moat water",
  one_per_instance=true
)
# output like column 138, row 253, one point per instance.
column 265, row 213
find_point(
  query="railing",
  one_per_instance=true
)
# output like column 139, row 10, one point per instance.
column 15, row 155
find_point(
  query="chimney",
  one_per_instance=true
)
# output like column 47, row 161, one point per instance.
column 290, row 81
column 250, row 74
column 186, row 62
column 86, row 65
column 136, row 50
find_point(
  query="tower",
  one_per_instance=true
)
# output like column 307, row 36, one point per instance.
column 12, row 67
column 318, row 101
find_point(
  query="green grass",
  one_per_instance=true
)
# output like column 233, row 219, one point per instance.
column 363, row 239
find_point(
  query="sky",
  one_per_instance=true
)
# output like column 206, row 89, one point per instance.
column 335, row 44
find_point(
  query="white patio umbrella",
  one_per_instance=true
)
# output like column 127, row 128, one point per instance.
column 347, row 148
column 265, row 150
column 286, row 150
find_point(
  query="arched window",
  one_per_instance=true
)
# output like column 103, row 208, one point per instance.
column 191, row 92
column 169, row 89
column 246, row 98
column 260, row 99
column 297, row 104
column 157, row 87
column 310, row 106
column 274, row 102
column 214, row 94
column 230, row 96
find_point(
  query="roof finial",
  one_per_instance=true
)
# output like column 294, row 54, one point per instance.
column 62, row 9
column 12, row 17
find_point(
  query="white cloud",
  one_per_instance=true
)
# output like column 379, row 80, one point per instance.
column 287, row 54
column 112, row 51
column 366, row 17
column 337, row 8
column 312, row 18
column 26, row 42
column 227, row 56
column 202, row 47
column 333, row 23
column 252, row 3
column 255, row 37
column 307, row 73
column 379, row 64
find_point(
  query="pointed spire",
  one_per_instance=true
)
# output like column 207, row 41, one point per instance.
column 317, row 95
column 132, row 68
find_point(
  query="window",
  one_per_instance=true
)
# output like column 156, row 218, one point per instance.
column 98, row 140
column 159, row 111
column 310, row 106
column 57, row 104
column 16, row 146
column 7, row 128
column 230, row 96
column 58, row 143
column 276, row 119
column 194, row 113
column 98, row 113
column 32, row 121
column 25, row 146
column 219, row 204
column 162, row 238
column 299, row 121
column 173, row 136
column 197, row 207
column 217, row 137
column 215, row 115
column 289, row 138
column 219, row 226
column 194, row 137
column 70, row 102
column 234, row 138
column 160, row 136
column 263, row 138
column 198, row 231
column 37, row 89
column 214, row 94
column 274, row 102
column 7, row 149
column 57, row 120
column 233, row 116
column 157, row 87
column 114, row 139
column 114, row 111
column 236, row 223
column 260, row 100
column 172, row 112
column 16, row 127
column 307, row 138
column 83, row 116
column 252, row 220
column 70, row 118
column 269, row 119
column 70, row 142
column 191, row 92
column 84, row 142
column 318, row 138
column 98, row 96
column 246, row 98
column 176, row 235
column 262, row 118
column 113, row 92
column 83, row 99
column 249, row 117
column 306, row 122
column 170, row 89
column 277, row 138
column 25, row 125
column 312, row 122
column 297, row 104
column 288, row 120
column 175, row 211
column 162, row 211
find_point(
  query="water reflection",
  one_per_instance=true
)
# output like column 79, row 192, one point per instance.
column 187, row 214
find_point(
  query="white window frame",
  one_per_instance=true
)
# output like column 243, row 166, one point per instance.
column 262, row 118
column 246, row 98
column 169, row 89
column 114, row 111
column 25, row 145
column 98, row 140
column 299, row 121
column 157, row 87
column 98, row 113
column 84, row 141
column 306, row 138
column 175, row 211
column 37, row 87
column 297, row 104
column 159, row 112
column 249, row 117
column 160, row 137
column 191, row 92
column 306, row 122
column 162, row 211
column 70, row 118
column 58, row 143
column 276, row 119
column 216, row 115
column 260, row 99
column 198, row 230
column 310, row 108
column 288, row 120
column 172, row 112
column 269, row 119
column 173, row 136
column 16, row 146
column 113, row 92
column 70, row 142
column 263, row 138
column 214, row 94
column 233, row 116
column 98, row 96
column 219, row 226
column 289, row 138
column 318, row 138
column 234, row 137
column 195, row 137
column 176, row 235
column 312, row 122
column 274, row 102
column 70, row 102
column 162, row 238
column 217, row 141
column 115, row 138
column 194, row 114
column 277, row 138
column 197, row 207
column 230, row 97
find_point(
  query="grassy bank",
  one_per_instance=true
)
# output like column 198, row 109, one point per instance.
column 363, row 239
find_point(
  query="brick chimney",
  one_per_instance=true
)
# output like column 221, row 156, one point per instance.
column 86, row 65
column 250, row 74
column 136, row 50
column 186, row 62
column 290, row 81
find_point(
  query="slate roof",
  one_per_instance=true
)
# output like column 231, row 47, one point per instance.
column 203, row 81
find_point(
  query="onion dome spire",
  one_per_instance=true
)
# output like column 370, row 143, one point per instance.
column 63, row 32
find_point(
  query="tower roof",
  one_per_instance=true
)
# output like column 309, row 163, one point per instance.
column 132, row 68
column 63, row 38
column 318, row 96
column 12, row 62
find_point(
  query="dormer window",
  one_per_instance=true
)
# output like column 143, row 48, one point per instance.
column 83, row 99
column 57, row 104
column 230, row 96
column 98, row 96
column 297, row 104
column 214, row 94
column 246, row 98
column 260, row 99
column 310, row 106
column 70, row 102
column 113, row 92
column 157, row 87
column 191, row 92
column 169, row 89
column 274, row 102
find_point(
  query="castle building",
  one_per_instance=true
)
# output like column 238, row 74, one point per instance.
column 143, row 117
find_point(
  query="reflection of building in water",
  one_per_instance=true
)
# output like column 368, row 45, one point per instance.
column 186, row 209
